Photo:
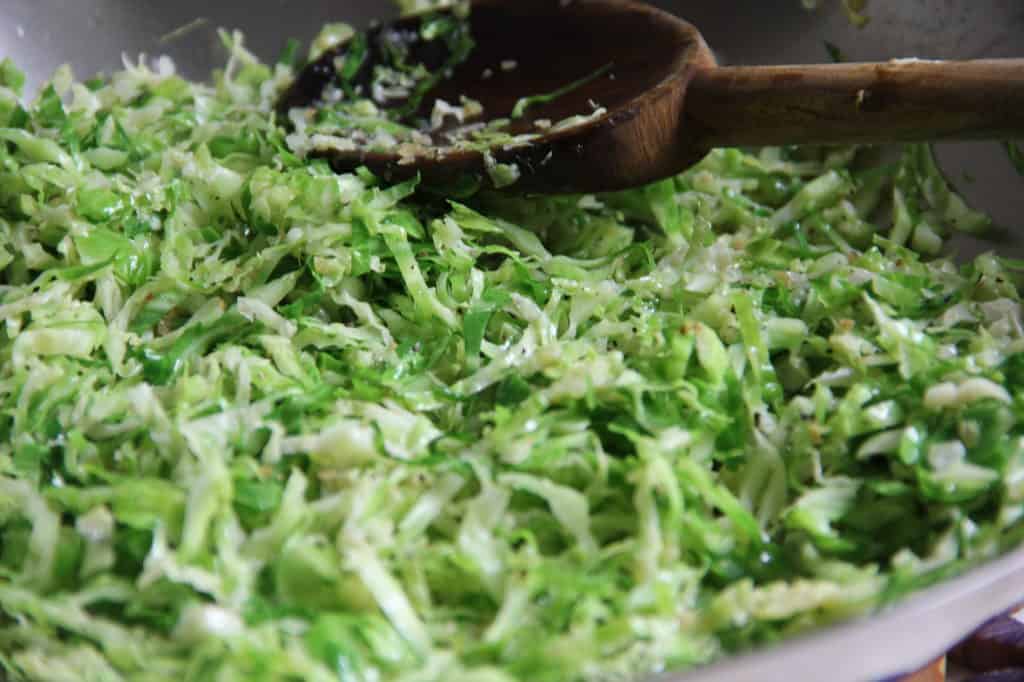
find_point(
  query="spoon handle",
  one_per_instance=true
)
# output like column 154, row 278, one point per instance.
column 898, row 101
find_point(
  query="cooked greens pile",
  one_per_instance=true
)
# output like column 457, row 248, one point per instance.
column 264, row 422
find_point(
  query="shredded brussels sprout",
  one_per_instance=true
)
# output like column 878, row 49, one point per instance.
column 855, row 10
column 414, row 6
column 265, row 422
column 1016, row 154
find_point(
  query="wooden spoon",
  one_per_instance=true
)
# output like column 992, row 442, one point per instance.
column 666, row 101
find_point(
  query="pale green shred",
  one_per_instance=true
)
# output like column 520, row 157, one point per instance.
column 265, row 422
column 416, row 6
column 856, row 10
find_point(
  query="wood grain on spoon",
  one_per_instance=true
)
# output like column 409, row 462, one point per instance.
column 667, row 102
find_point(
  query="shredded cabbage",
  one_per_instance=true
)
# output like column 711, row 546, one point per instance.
column 261, row 421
